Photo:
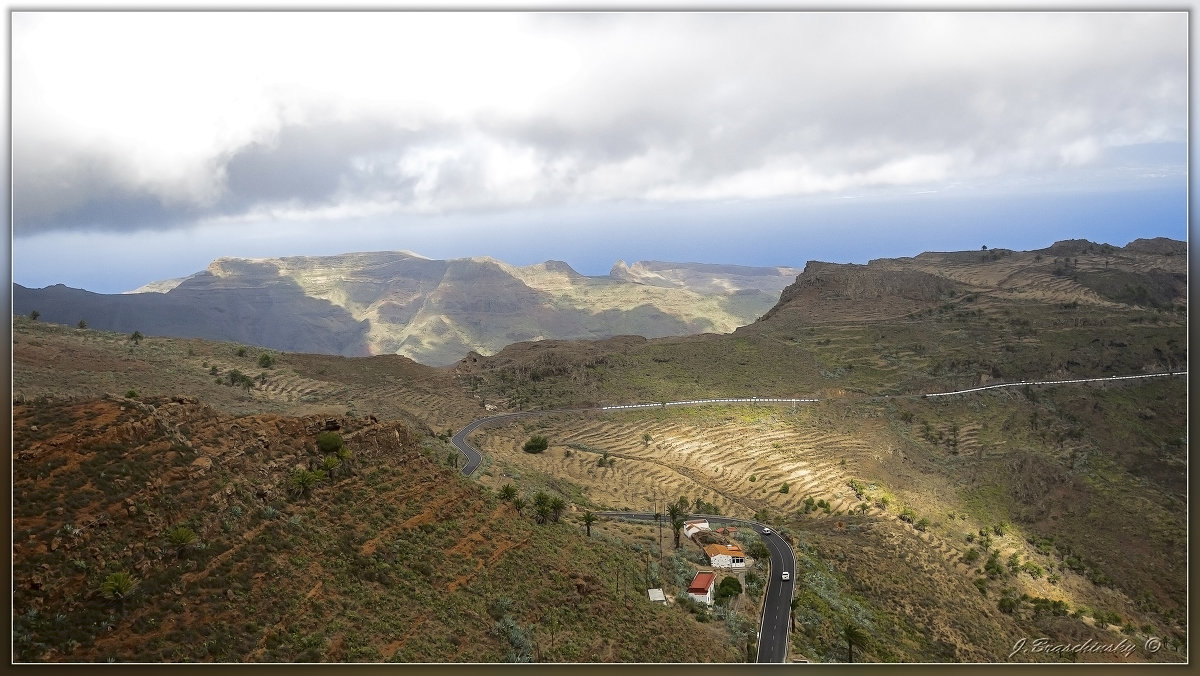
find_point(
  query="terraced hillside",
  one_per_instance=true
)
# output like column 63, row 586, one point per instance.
column 737, row 460
column 55, row 360
column 162, row 530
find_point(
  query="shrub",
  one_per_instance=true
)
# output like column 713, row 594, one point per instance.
column 858, row 487
column 329, row 442
column 131, row 394
column 922, row 524
column 993, row 567
column 908, row 516
column 82, row 324
column 136, row 337
column 266, row 360
column 241, row 352
column 753, row 478
column 34, row 315
column 971, row 556
column 785, row 488
column 536, row 444
column 729, row 588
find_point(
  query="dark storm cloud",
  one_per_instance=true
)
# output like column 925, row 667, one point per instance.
column 311, row 164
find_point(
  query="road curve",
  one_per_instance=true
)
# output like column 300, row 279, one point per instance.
column 775, row 623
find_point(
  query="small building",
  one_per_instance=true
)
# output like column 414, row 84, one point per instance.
column 690, row 528
column 701, row 588
column 657, row 596
column 725, row 556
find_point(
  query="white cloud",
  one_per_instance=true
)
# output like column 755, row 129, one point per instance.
column 132, row 119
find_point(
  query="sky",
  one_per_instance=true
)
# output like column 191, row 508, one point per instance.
column 146, row 144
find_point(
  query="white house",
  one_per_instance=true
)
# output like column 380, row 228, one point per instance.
column 657, row 596
column 701, row 588
column 725, row 556
column 690, row 528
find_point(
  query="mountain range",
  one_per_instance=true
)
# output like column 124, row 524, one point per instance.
column 433, row 311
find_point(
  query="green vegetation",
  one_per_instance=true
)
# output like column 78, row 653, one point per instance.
column 302, row 482
column 118, row 586
column 181, row 538
column 329, row 441
column 727, row 589
column 536, row 444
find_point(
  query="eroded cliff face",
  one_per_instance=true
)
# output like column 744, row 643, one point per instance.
column 837, row 292
column 1146, row 272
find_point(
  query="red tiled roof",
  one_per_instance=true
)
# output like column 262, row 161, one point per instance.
column 702, row 582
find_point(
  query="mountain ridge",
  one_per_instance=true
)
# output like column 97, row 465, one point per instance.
column 434, row 311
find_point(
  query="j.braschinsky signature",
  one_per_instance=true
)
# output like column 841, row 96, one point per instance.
column 1044, row 645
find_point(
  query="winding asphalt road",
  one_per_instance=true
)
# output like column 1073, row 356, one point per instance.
column 775, row 623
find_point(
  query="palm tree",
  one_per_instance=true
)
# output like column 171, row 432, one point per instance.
column 508, row 492
column 588, row 520
column 675, row 512
column 343, row 453
column 541, row 506
column 795, row 605
column 557, row 505
column 181, row 537
column 330, row 465
column 519, row 503
column 853, row 635
column 302, row 482
column 118, row 586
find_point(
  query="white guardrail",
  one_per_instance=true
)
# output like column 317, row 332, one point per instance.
column 748, row 400
column 1053, row 382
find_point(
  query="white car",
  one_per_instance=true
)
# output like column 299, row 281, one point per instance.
column 766, row 531
column 787, row 575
